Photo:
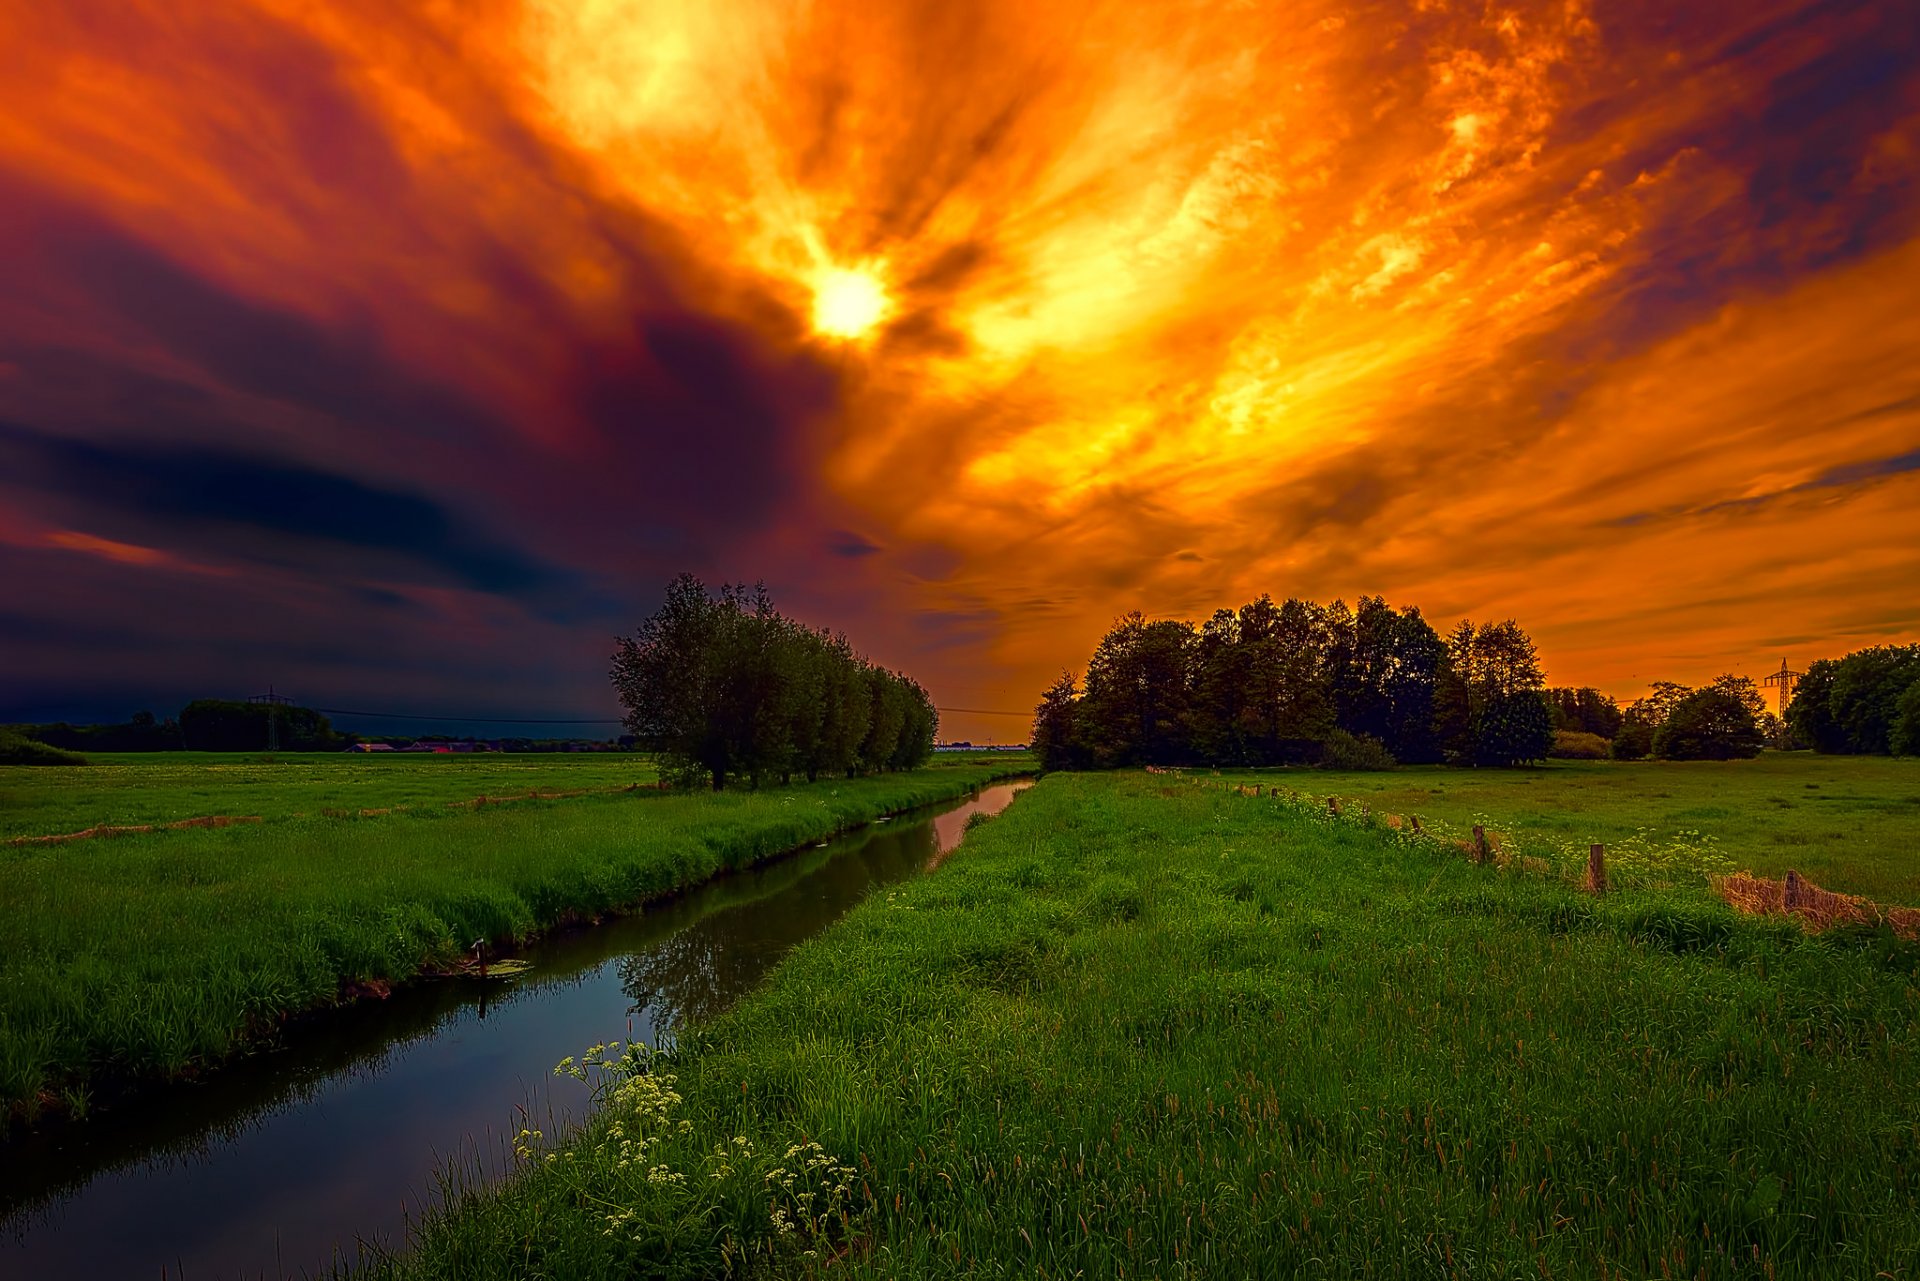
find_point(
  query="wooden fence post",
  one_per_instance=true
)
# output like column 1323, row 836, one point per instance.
column 1597, row 869
column 1333, row 807
column 1793, row 895
column 1416, row 824
column 1480, row 851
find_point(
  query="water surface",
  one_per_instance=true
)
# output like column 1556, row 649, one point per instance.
column 280, row 1164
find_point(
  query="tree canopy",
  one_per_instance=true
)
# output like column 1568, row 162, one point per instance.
column 723, row 685
column 1273, row 684
column 1860, row 704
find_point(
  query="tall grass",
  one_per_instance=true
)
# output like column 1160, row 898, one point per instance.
column 1148, row 1027
column 152, row 955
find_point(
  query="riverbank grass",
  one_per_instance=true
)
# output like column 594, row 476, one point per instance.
column 1148, row 1026
column 151, row 955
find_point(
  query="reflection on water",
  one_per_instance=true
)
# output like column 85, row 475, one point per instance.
column 278, row 1165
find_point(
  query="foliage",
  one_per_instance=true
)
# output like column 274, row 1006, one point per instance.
column 1492, row 700
column 1584, row 710
column 1268, row 684
column 1057, row 740
column 1712, row 724
column 141, row 733
column 146, row 955
column 1575, row 745
column 17, row 749
column 1346, row 751
column 1853, row 705
column 1150, row 1027
column 216, row 725
column 722, row 684
column 1904, row 738
column 1634, row 741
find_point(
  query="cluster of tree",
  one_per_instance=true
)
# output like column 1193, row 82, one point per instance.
column 1299, row 683
column 1722, row 721
column 1584, row 711
column 1866, row 703
column 721, row 684
column 204, row 725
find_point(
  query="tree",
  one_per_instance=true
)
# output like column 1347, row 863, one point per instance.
column 1138, row 689
column 1585, row 710
column 1056, row 726
column 1712, row 724
column 216, row 725
column 721, row 684
column 1491, row 706
column 1904, row 738
column 1852, row 704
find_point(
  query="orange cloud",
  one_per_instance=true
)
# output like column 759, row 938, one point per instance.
column 1593, row 315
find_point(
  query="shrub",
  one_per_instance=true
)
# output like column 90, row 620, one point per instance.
column 16, row 750
column 1355, row 752
column 1634, row 742
column 1575, row 745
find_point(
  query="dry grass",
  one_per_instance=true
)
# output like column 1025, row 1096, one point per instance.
column 1816, row 909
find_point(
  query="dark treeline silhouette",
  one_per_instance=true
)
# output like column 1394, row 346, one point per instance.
column 722, row 684
column 204, row 725
column 1584, row 711
column 1299, row 683
column 1867, row 703
column 1724, row 720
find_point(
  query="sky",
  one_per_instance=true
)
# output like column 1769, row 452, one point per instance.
column 396, row 355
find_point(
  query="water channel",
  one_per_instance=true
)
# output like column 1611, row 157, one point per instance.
column 280, row 1165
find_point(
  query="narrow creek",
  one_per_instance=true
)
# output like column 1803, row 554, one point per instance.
column 280, row 1165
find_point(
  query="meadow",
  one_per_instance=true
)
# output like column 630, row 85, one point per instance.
column 1850, row 823
column 155, row 954
column 129, row 789
column 1146, row 1025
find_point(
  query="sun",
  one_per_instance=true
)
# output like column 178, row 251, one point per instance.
column 848, row 303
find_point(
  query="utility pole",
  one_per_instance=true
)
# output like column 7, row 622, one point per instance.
column 274, row 702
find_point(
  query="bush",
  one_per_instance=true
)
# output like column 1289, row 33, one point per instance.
column 16, row 750
column 1355, row 752
column 1634, row 742
column 1575, row 745
column 1709, row 725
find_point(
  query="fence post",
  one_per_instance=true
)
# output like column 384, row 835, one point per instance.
column 1597, row 869
column 1480, row 851
column 1416, row 824
column 1793, row 895
column 1333, row 807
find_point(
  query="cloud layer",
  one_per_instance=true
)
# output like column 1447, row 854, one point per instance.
column 401, row 354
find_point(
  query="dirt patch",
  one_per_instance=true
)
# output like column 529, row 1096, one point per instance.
column 98, row 833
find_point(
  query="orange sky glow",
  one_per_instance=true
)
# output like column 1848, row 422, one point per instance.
column 1598, row 316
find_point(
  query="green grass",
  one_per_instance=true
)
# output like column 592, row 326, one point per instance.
column 153, row 954
column 1147, row 1027
column 1850, row 823
column 126, row 789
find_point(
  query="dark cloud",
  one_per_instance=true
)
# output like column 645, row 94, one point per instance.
column 846, row 543
column 184, row 489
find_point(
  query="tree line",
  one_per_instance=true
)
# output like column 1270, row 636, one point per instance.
column 722, row 685
column 1866, row 703
column 204, row 725
column 1299, row 683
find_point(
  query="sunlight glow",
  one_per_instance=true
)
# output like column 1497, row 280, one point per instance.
column 848, row 304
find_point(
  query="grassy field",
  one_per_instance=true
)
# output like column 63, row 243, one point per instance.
column 1851, row 823
column 1145, row 1026
column 123, row 790
column 147, row 955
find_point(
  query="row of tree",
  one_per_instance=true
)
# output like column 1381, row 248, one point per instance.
column 1299, row 682
column 723, row 685
column 1867, row 703
column 204, row 725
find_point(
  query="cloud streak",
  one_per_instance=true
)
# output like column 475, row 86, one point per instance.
column 474, row 328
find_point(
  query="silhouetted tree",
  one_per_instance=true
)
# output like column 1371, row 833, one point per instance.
column 1717, row 723
column 1056, row 726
